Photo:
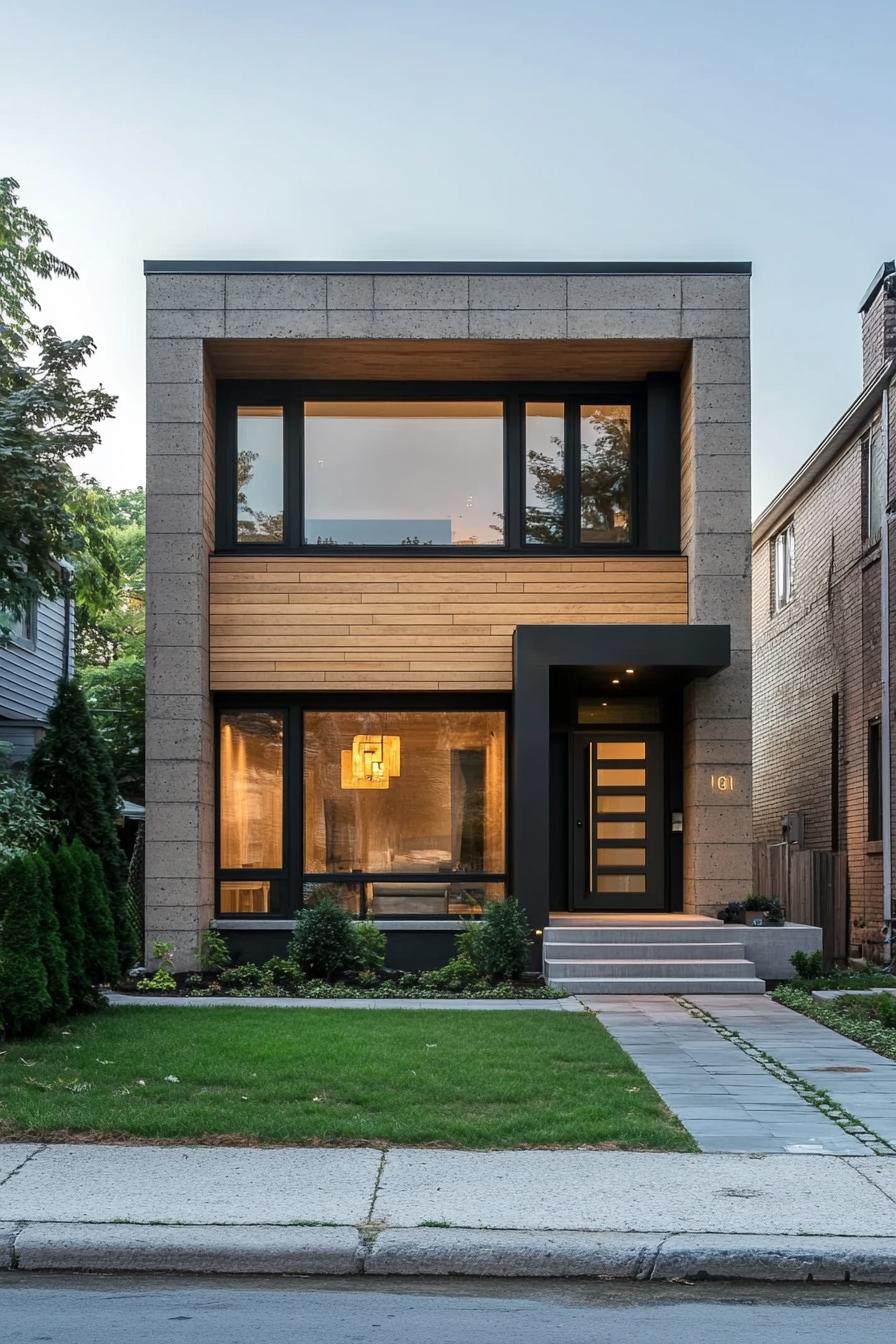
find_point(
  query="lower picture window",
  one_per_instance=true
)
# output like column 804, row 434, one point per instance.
column 397, row 813
column 404, row 792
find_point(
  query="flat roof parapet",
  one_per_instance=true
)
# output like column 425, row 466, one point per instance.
column 447, row 268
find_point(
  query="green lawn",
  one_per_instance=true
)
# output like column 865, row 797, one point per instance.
column 274, row 1075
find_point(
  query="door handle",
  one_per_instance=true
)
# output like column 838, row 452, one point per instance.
column 580, row 824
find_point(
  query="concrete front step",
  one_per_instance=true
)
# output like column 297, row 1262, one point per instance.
column 658, row 951
column 684, row 968
column 660, row 985
column 633, row 933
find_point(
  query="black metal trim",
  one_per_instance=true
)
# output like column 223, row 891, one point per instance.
column 645, row 533
column 152, row 267
column 293, row 706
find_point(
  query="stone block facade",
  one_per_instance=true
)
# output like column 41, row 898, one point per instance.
column 707, row 313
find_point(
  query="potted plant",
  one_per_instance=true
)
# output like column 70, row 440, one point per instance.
column 763, row 910
column 732, row 913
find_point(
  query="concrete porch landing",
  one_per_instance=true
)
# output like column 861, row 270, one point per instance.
column 598, row 953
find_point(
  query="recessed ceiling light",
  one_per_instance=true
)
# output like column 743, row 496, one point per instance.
column 615, row 681
column 630, row 671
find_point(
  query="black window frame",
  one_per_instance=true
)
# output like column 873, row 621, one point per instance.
column 292, row 394
column 294, row 705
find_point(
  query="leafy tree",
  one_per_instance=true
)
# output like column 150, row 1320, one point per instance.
column 109, row 642
column 25, row 820
column 72, row 768
column 65, row 879
column 24, row 999
column 52, row 950
column 46, row 416
column 101, row 963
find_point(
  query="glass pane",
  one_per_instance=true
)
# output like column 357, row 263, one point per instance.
column 348, row 895
column 259, row 473
column 621, row 858
column 247, row 897
column 621, row 830
column 622, row 882
column 622, row 802
column 606, row 471
column 387, row 899
column 618, row 778
column 404, row 792
column 404, row 473
column 251, row 764
column 621, row 751
column 545, row 473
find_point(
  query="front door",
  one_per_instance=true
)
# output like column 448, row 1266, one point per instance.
column 618, row 821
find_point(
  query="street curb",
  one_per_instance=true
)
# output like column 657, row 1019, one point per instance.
column 133, row 1248
column 429, row 1251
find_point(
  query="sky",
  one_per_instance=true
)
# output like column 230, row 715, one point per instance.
column 477, row 130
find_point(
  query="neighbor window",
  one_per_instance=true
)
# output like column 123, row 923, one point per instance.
column 404, row 473
column 259, row 473
column 875, row 782
column 20, row 630
column 782, row 559
column 873, row 466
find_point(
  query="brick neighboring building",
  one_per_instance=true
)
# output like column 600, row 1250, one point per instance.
column 820, row 737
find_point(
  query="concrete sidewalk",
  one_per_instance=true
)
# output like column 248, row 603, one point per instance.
column 425, row 1211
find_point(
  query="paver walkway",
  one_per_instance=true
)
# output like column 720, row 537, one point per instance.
column 862, row 1082
column 728, row 1101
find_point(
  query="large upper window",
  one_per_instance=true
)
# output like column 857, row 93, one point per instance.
column 404, row 473
column 461, row 467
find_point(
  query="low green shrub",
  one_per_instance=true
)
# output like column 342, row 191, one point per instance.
column 282, row 975
column 241, row 979
column 808, row 965
column 501, row 952
column 100, row 946
column 732, row 913
column 162, row 980
column 50, row 942
column 323, row 943
column 467, row 941
column 370, row 946
column 214, row 953
column 25, row 1001
column 870, row 1008
column 457, row 975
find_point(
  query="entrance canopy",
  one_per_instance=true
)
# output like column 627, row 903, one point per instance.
column 659, row 655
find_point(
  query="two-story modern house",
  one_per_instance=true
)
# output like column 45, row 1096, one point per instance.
column 448, row 595
column 36, row 651
column 823, row 588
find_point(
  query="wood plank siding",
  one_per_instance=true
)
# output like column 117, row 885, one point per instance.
column 350, row 623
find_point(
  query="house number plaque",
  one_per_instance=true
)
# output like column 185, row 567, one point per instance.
column 722, row 783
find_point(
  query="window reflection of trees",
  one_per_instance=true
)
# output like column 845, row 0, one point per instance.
column 253, row 524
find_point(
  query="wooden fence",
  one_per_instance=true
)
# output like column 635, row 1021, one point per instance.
column 811, row 885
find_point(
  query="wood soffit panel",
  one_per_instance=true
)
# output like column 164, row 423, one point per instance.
column 434, row 359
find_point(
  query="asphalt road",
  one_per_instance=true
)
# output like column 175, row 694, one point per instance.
column 114, row 1310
